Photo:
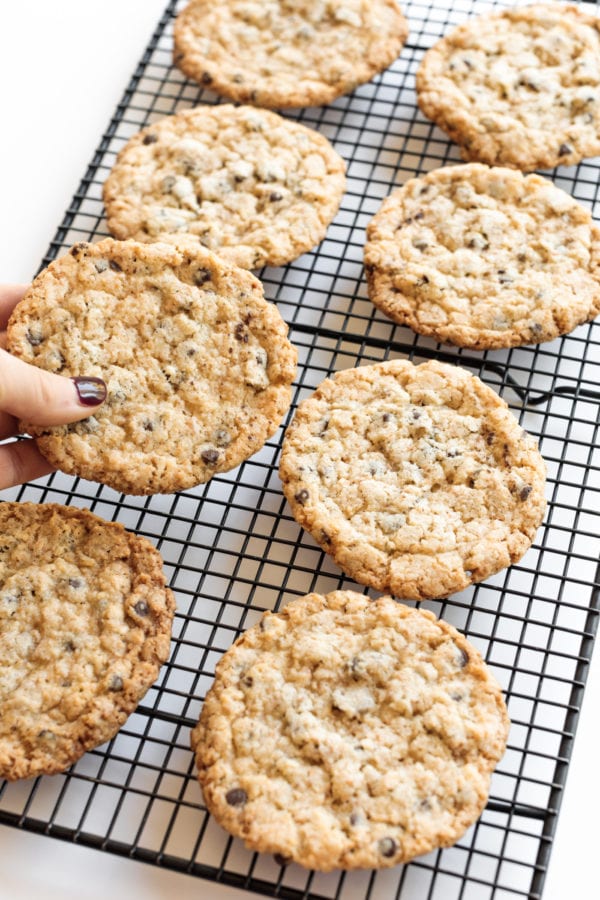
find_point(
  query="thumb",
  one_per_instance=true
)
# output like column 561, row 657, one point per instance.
column 43, row 398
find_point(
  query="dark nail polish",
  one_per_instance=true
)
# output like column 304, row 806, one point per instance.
column 91, row 391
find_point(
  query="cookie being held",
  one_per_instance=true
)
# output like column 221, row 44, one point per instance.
column 197, row 363
column 518, row 87
column 253, row 187
column 484, row 258
column 346, row 733
column 287, row 53
column 417, row 480
column 85, row 624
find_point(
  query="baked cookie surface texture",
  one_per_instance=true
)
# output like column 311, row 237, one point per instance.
column 253, row 187
column 484, row 258
column 518, row 87
column 349, row 733
column 417, row 480
column 197, row 363
column 287, row 53
column 85, row 624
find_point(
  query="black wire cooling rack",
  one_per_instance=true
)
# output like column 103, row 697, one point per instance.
column 232, row 550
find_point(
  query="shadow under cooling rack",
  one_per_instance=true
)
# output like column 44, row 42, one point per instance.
column 232, row 549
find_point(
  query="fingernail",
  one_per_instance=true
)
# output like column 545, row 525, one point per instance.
column 91, row 391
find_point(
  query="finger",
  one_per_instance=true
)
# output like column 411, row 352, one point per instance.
column 21, row 461
column 10, row 294
column 8, row 426
column 43, row 398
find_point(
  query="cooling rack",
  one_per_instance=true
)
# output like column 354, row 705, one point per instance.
column 232, row 549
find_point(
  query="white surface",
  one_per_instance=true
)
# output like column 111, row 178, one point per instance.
column 63, row 67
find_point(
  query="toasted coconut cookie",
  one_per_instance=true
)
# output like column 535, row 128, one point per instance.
column 85, row 624
column 253, row 187
column 349, row 733
column 518, row 87
column 196, row 361
column 484, row 258
column 286, row 53
column 417, row 480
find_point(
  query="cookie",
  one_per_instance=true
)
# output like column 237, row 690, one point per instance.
column 85, row 624
column 484, row 258
column 253, row 187
column 348, row 733
column 417, row 480
column 197, row 363
column 287, row 53
column 519, row 87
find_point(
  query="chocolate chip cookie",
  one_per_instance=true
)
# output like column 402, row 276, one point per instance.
column 286, row 53
column 85, row 624
column 417, row 480
column 253, row 187
column 519, row 87
column 349, row 733
column 197, row 363
column 484, row 258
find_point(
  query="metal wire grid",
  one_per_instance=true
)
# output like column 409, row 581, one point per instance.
column 231, row 548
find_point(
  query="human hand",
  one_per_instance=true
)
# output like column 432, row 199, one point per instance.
column 35, row 396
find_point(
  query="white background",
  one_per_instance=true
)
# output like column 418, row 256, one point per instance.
column 63, row 67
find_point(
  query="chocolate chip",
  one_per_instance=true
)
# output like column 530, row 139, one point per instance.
column 222, row 438
column 201, row 276
column 274, row 197
column 116, row 683
column 150, row 139
column 237, row 78
column 46, row 735
column 78, row 248
column 325, row 537
column 462, row 658
column 248, row 681
column 87, row 426
column 206, row 78
column 386, row 417
column 240, row 333
column 101, row 265
column 282, row 860
column 301, row 497
column 168, row 183
column 236, row 797
column 141, row 608
column 69, row 646
column 115, row 266
column 565, row 150
column 148, row 425
column 456, row 696
column 356, row 667
column 388, row 847
column 354, row 819
column 34, row 339
column 75, row 582
column 210, row 457
column 525, row 492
